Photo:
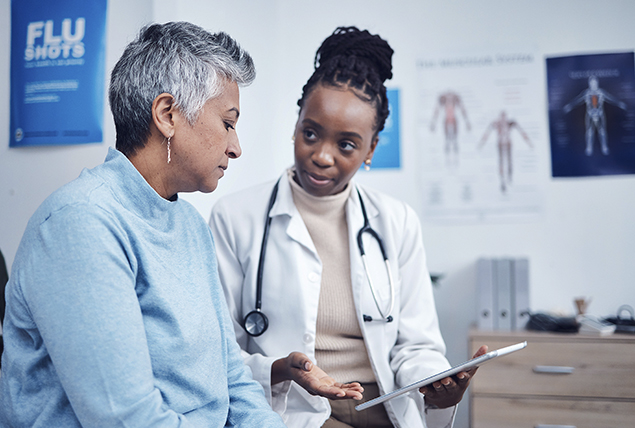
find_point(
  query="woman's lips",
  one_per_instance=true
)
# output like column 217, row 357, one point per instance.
column 318, row 180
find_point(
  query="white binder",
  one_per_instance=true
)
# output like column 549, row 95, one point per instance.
column 520, row 294
column 485, row 317
column 503, row 281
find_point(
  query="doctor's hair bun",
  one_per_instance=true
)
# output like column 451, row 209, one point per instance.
column 355, row 59
column 349, row 44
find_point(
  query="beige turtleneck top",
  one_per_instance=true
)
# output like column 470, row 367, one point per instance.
column 339, row 346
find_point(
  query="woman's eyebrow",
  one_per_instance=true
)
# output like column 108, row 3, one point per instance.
column 312, row 123
column 350, row 134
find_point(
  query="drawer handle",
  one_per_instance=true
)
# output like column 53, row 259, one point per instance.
column 554, row 370
column 554, row 426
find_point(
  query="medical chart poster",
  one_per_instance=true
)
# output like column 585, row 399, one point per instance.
column 387, row 154
column 592, row 114
column 482, row 131
column 57, row 72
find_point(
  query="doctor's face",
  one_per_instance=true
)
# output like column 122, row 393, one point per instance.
column 334, row 135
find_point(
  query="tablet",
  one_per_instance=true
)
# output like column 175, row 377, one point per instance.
column 474, row 362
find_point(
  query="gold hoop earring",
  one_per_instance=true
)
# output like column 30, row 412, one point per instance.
column 293, row 139
column 367, row 164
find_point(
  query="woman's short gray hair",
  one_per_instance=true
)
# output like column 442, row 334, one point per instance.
column 178, row 58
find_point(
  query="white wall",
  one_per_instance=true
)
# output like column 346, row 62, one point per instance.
column 584, row 244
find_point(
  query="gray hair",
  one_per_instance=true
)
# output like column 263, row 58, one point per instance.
column 178, row 58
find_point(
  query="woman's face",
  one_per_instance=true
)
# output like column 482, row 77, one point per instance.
column 202, row 150
column 334, row 135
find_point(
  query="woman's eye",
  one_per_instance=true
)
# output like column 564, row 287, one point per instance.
column 347, row 146
column 229, row 126
column 309, row 135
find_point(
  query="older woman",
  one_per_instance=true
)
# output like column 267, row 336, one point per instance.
column 115, row 315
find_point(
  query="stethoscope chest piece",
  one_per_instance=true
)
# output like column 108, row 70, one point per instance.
column 255, row 323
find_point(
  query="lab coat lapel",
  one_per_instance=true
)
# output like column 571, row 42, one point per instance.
column 296, row 229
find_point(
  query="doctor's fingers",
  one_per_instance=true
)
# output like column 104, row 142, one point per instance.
column 350, row 387
column 432, row 390
column 298, row 360
column 442, row 387
column 481, row 351
column 463, row 378
column 340, row 393
column 447, row 384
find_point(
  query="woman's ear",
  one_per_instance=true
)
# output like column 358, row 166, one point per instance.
column 163, row 114
column 373, row 146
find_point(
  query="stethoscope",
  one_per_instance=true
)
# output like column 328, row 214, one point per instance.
column 256, row 322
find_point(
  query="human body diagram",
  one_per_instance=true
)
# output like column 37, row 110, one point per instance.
column 503, row 127
column 595, row 118
column 449, row 102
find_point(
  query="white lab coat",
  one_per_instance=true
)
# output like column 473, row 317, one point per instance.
column 401, row 352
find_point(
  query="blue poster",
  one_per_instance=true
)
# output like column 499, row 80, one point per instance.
column 387, row 152
column 57, row 71
column 592, row 114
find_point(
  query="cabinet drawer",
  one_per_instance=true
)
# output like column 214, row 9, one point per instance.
column 495, row 412
column 598, row 369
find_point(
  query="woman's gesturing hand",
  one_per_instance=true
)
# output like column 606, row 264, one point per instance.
column 299, row 368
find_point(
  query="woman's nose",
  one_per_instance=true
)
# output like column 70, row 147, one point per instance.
column 233, row 148
column 323, row 155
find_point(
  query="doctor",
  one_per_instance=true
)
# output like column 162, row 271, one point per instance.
column 318, row 322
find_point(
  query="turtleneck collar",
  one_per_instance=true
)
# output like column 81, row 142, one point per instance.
column 320, row 205
column 129, row 186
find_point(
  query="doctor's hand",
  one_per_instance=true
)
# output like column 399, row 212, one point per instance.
column 299, row 368
column 449, row 391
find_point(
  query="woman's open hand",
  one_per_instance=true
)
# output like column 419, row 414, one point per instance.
column 449, row 391
column 299, row 368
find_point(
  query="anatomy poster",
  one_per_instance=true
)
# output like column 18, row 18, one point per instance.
column 482, row 130
column 592, row 114
column 57, row 71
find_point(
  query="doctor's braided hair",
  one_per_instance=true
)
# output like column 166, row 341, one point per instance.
column 356, row 59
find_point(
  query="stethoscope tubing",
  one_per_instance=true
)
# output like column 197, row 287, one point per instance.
column 256, row 322
column 263, row 246
column 360, row 244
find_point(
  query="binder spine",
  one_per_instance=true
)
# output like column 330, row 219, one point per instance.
column 485, row 290
column 504, row 293
column 520, row 297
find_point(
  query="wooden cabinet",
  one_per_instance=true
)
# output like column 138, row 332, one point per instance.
column 558, row 380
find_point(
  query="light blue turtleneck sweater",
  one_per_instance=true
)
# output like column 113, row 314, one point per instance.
column 115, row 316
